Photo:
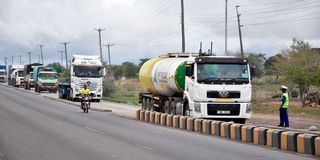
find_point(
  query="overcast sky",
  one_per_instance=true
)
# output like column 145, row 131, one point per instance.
column 148, row 28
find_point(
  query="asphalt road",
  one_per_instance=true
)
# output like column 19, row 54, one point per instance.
column 36, row 128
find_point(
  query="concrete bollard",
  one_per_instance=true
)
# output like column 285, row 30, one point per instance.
column 190, row 122
column 235, row 131
column 197, row 125
column 217, row 128
column 175, row 121
column 142, row 113
column 247, row 133
column 163, row 119
column 292, row 141
column 169, row 120
column 317, row 146
column 284, row 140
column 305, row 143
column 213, row 127
column 206, row 126
column 138, row 114
column 152, row 117
column 275, row 138
column 147, row 116
column 225, row 129
column 260, row 135
column 157, row 118
column 182, row 122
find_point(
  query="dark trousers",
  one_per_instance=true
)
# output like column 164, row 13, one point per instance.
column 284, row 118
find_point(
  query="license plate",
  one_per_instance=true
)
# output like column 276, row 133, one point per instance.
column 223, row 112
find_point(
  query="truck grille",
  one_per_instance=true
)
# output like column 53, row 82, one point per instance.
column 48, row 84
column 228, row 109
column 223, row 94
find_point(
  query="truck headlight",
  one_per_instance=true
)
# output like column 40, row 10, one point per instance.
column 197, row 107
column 99, row 90
column 248, row 108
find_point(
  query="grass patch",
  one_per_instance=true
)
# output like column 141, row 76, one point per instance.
column 128, row 99
column 308, row 111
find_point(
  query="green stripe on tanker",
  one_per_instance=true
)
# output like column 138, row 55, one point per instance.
column 180, row 76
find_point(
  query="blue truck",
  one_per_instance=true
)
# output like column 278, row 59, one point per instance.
column 3, row 73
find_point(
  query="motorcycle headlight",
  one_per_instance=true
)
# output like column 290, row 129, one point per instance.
column 248, row 108
column 197, row 107
column 86, row 98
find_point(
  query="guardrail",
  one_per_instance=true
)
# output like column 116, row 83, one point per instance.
column 269, row 137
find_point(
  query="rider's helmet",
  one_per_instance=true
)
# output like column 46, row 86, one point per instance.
column 85, row 86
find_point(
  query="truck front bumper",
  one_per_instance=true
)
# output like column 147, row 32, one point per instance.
column 221, row 110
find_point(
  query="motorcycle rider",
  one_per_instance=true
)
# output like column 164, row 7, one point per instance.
column 84, row 92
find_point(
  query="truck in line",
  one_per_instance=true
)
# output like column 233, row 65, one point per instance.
column 15, row 75
column 84, row 69
column 28, row 78
column 3, row 73
column 45, row 79
column 213, row 87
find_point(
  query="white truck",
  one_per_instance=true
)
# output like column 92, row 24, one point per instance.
column 84, row 69
column 213, row 87
column 3, row 73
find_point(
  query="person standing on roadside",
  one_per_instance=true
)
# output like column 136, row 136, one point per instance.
column 284, row 117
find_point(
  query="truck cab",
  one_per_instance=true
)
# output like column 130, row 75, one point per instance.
column 18, row 78
column 45, row 79
column 3, row 73
column 86, row 69
column 218, row 87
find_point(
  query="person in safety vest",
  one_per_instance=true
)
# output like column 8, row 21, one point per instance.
column 284, row 118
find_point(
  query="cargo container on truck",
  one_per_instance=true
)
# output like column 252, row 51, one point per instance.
column 28, row 72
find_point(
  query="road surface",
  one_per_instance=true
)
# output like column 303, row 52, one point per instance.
column 36, row 128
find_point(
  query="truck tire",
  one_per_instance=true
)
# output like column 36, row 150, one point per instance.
column 185, row 109
column 173, row 107
column 151, row 105
column 143, row 104
column 167, row 107
column 148, row 104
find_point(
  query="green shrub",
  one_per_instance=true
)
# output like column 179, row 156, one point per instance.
column 109, row 87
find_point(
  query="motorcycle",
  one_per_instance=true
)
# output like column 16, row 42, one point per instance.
column 85, row 103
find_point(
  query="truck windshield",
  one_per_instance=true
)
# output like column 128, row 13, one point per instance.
column 222, row 73
column 20, row 74
column 88, row 71
column 3, row 67
column 47, row 75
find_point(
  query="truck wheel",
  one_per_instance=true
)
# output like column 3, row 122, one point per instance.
column 167, row 107
column 143, row 105
column 185, row 109
column 173, row 107
column 148, row 105
column 151, row 105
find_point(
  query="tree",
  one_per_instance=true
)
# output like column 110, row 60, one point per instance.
column 142, row 61
column 300, row 66
column 129, row 69
column 117, row 71
column 258, row 61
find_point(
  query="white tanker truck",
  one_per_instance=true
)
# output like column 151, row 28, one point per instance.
column 214, row 87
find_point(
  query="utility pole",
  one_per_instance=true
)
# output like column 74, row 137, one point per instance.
column 29, row 54
column 110, row 67
column 5, row 61
column 61, row 52
column 211, row 46
column 100, row 30
column 41, row 54
column 182, row 28
column 226, row 30
column 240, row 36
column 39, row 58
column 12, row 60
column 20, row 56
column 66, row 54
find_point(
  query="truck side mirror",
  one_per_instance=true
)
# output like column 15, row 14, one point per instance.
column 252, row 71
column 189, row 71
